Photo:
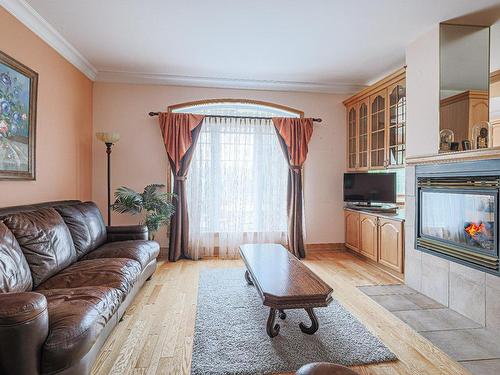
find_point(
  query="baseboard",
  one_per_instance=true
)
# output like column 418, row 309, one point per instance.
column 163, row 255
column 311, row 247
column 395, row 274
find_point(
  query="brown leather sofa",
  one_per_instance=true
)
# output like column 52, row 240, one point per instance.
column 65, row 282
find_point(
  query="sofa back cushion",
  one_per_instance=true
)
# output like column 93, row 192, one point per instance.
column 45, row 241
column 15, row 275
column 86, row 225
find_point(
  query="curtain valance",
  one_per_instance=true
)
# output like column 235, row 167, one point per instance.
column 296, row 132
column 176, row 129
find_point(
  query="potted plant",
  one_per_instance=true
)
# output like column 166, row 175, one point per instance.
column 154, row 203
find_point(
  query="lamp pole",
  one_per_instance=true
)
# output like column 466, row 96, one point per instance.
column 108, row 152
column 108, row 139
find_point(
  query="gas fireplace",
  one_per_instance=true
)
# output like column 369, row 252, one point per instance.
column 457, row 212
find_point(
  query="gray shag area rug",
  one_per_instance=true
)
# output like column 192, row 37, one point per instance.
column 230, row 333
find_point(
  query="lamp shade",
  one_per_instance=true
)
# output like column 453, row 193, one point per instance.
column 108, row 137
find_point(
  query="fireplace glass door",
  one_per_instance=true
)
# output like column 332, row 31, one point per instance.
column 460, row 217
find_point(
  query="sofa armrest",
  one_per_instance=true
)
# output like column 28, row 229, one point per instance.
column 127, row 232
column 24, row 326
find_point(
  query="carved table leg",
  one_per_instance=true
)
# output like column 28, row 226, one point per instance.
column 272, row 329
column 282, row 314
column 247, row 278
column 314, row 323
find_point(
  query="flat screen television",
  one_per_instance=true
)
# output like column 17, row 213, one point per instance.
column 370, row 187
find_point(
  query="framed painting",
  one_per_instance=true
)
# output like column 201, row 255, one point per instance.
column 18, row 94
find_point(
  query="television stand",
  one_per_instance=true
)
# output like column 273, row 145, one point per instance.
column 377, row 207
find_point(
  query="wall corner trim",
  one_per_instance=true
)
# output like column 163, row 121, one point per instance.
column 38, row 25
column 225, row 83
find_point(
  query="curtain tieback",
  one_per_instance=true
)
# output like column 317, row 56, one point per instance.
column 295, row 168
column 180, row 178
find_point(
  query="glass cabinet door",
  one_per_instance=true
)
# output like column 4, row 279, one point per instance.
column 397, row 124
column 351, row 138
column 377, row 130
column 363, row 135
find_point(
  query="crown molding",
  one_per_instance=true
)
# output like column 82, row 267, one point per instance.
column 228, row 83
column 37, row 24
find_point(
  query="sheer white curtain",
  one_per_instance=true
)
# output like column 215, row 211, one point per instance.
column 236, row 187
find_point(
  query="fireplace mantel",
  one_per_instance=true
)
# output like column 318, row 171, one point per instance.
column 455, row 157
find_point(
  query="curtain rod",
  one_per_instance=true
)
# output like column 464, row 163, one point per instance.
column 245, row 117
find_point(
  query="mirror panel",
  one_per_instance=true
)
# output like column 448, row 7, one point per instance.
column 464, row 87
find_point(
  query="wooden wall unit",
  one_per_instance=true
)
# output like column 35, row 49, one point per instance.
column 376, row 122
column 379, row 237
column 461, row 112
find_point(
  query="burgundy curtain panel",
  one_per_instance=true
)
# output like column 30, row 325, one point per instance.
column 180, row 133
column 294, row 135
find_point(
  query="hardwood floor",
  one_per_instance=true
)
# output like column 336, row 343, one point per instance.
column 156, row 334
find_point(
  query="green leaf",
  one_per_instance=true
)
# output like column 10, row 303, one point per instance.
column 127, row 201
column 155, row 221
column 156, row 202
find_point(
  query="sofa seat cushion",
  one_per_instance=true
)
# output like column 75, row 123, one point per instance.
column 86, row 225
column 76, row 318
column 15, row 274
column 118, row 273
column 142, row 251
column 45, row 241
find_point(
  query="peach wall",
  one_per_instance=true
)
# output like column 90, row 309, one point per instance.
column 64, row 121
column 139, row 157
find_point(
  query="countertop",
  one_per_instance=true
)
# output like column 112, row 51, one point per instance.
column 398, row 215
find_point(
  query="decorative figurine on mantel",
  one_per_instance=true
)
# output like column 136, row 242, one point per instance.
column 481, row 135
column 482, row 138
column 446, row 137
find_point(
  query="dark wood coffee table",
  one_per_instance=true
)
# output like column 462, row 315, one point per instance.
column 284, row 283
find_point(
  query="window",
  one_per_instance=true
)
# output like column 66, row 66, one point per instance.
column 237, row 179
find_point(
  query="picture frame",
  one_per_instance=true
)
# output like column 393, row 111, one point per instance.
column 18, row 107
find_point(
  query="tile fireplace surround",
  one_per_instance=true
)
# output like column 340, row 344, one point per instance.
column 469, row 291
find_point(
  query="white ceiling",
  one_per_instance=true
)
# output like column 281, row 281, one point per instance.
column 333, row 45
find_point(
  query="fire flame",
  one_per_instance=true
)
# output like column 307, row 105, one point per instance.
column 473, row 229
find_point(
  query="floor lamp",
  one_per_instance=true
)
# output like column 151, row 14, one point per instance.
column 109, row 140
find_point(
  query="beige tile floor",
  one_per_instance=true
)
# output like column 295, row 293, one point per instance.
column 469, row 343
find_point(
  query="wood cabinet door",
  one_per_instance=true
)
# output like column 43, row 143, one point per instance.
column 396, row 124
column 377, row 124
column 363, row 135
column 390, row 244
column 478, row 111
column 352, row 138
column 352, row 229
column 368, row 236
